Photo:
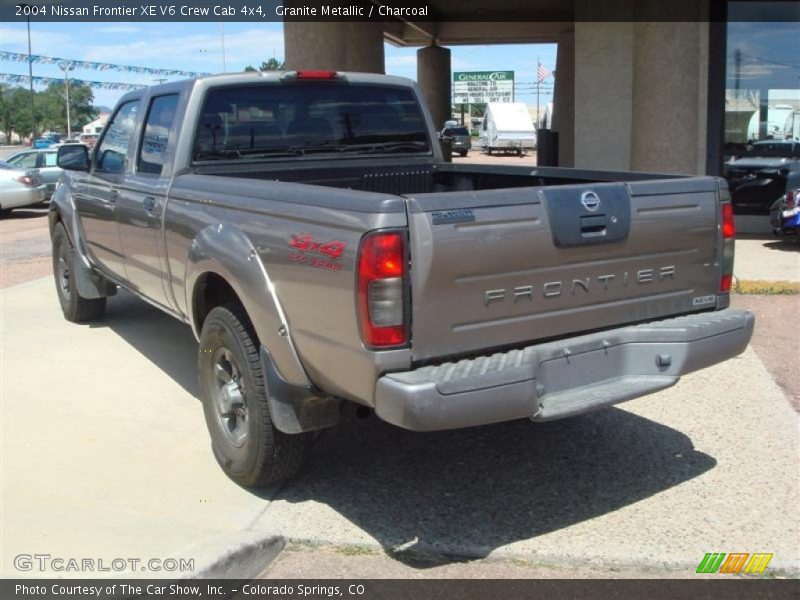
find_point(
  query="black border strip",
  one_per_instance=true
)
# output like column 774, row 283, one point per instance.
column 413, row 11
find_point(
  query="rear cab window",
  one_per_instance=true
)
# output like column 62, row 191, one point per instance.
column 158, row 124
column 308, row 119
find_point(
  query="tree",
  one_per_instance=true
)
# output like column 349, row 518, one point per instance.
column 272, row 64
column 15, row 110
column 51, row 104
column 478, row 110
column 50, row 107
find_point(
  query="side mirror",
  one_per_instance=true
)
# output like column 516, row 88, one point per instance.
column 73, row 157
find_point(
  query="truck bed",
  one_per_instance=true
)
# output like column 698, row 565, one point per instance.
column 503, row 256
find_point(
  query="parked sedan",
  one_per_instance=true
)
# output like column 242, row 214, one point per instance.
column 19, row 187
column 44, row 161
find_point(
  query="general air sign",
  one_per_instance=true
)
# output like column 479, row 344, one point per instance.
column 478, row 87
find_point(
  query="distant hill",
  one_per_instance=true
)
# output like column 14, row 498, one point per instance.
column 102, row 109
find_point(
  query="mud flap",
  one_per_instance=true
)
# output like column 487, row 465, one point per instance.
column 295, row 408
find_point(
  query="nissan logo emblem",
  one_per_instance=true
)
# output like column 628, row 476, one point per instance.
column 590, row 201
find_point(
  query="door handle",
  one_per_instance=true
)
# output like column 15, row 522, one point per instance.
column 149, row 203
column 593, row 226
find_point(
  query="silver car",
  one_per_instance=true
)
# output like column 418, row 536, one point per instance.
column 44, row 161
column 20, row 187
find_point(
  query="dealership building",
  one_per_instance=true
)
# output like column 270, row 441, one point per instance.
column 634, row 90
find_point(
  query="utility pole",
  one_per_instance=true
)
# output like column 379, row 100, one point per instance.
column 538, row 82
column 738, row 59
column 67, row 67
column 222, row 37
column 30, row 79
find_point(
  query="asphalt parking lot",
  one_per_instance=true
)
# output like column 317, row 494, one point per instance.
column 104, row 453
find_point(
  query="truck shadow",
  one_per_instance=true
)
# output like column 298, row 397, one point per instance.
column 452, row 495
column 786, row 245
column 461, row 494
column 165, row 341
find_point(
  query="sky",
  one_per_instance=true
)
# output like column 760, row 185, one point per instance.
column 198, row 47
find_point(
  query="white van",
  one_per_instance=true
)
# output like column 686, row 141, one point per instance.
column 507, row 127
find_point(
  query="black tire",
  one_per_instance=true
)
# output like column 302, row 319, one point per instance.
column 251, row 451
column 75, row 307
column 464, row 154
column 4, row 212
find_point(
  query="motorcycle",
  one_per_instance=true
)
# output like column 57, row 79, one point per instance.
column 785, row 215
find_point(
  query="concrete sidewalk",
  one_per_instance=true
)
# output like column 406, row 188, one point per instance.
column 710, row 465
column 762, row 258
column 105, row 452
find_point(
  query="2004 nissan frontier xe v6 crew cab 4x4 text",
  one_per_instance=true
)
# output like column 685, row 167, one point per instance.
column 308, row 229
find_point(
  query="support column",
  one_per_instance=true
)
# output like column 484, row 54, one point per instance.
column 338, row 46
column 670, row 96
column 433, row 78
column 603, row 84
column 564, row 99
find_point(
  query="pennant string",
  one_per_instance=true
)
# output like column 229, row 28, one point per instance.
column 96, row 66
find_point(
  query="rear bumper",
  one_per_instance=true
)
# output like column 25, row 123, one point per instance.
column 562, row 378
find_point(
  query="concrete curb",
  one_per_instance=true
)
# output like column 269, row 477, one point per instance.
column 550, row 560
column 239, row 555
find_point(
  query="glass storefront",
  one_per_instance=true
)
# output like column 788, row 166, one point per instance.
column 762, row 107
column 762, row 87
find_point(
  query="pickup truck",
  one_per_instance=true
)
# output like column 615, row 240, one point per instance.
column 307, row 227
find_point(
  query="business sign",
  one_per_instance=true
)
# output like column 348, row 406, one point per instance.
column 478, row 87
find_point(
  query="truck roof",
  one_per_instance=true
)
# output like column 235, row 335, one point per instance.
column 257, row 77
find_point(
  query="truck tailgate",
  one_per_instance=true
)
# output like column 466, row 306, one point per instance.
column 496, row 268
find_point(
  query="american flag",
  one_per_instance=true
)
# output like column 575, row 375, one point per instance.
column 543, row 73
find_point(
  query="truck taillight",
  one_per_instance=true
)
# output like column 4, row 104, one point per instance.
column 382, row 289
column 728, row 224
column 728, row 249
column 313, row 75
column 791, row 199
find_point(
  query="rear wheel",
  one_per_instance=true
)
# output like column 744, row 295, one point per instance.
column 247, row 446
column 464, row 154
column 75, row 307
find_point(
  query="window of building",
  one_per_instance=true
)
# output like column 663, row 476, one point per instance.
column 762, row 90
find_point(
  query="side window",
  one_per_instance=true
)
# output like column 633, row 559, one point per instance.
column 158, row 123
column 51, row 159
column 111, row 154
column 24, row 161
